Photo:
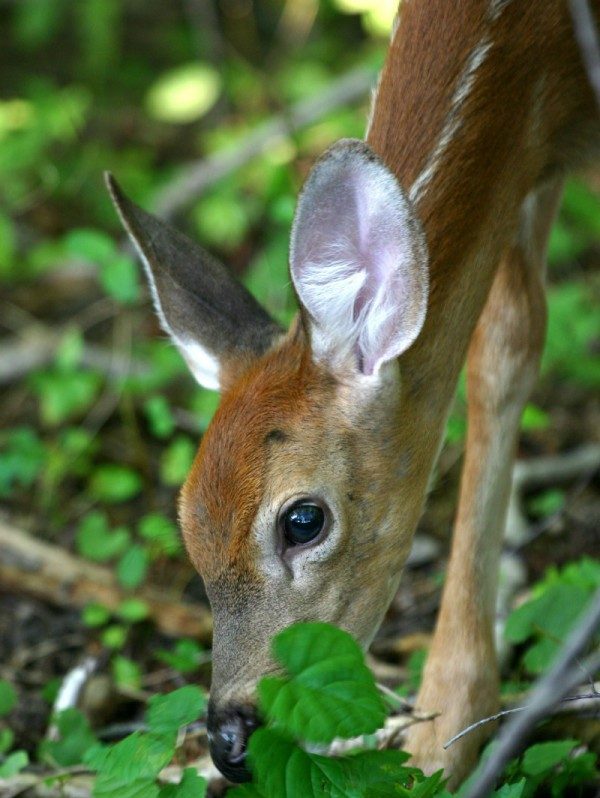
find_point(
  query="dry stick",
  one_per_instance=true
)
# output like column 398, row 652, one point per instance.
column 584, row 697
column 587, row 38
column 197, row 176
column 546, row 694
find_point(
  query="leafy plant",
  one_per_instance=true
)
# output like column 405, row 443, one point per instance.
column 544, row 621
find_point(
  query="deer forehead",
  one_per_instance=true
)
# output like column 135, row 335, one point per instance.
column 281, row 405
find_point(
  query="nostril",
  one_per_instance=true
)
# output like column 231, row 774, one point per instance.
column 232, row 738
column 228, row 737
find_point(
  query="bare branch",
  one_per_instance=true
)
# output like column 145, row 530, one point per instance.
column 195, row 177
column 546, row 694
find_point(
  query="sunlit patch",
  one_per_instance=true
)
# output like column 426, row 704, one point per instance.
column 377, row 15
column 184, row 94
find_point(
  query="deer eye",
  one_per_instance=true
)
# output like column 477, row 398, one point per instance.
column 302, row 522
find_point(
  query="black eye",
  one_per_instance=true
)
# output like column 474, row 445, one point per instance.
column 302, row 523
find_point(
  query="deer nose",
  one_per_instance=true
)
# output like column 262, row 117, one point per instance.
column 228, row 734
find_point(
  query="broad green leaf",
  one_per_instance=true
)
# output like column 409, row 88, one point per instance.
column 8, row 697
column 132, row 567
column 75, row 738
column 546, row 503
column 329, row 691
column 91, row 245
column 114, row 786
column 511, row 790
column 13, row 764
column 167, row 713
column 141, row 755
column 96, row 541
column 176, row 461
column 534, row 418
column 159, row 415
column 22, row 458
column 544, row 756
column 191, row 786
column 119, row 278
column 113, row 483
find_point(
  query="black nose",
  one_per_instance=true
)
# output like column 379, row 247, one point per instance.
column 228, row 733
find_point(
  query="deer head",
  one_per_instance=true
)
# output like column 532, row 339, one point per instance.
column 303, row 497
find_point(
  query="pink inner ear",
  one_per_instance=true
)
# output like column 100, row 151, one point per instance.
column 358, row 259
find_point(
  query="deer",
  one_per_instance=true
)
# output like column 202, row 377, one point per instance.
column 413, row 251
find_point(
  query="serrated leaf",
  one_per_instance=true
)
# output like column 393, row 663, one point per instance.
column 543, row 757
column 329, row 691
column 167, row 713
column 191, row 785
column 511, row 790
column 140, row 756
column 111, row 786
column 75, row 738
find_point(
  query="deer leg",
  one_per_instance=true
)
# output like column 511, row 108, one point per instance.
column 460, row 681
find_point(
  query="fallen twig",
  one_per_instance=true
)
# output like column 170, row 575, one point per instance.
column 39, row 569
column 546, row 694
column 195, row 177
column 580, row 698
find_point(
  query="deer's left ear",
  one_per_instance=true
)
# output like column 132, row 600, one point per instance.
column 358, row 260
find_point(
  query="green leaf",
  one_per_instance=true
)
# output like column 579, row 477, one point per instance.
column 132, row 567
column 13, row 764
column 127, row 673
column 141, row 755
column 114, row 786
column 63, row 394
column 96, row 541
column 283, row 769
column 75, row 739
column 161, row 532
column 167, row 713
column 114, row 636
column 114, row 483
column 95, row 615
column 511, row 790
column 159, row 415
column 133, row 610
column 91, row 245
column 119, row 278
column 534, row 418
column 8, row 697
column 546, row 503
column 7, row 738
column 184, row 658
column 22, row 459
column 543, row 757
column 329, row 691
column 191, row 786
column 177, row 460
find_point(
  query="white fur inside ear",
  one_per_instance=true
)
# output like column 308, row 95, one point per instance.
column 203, row 365
column 358, row 260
